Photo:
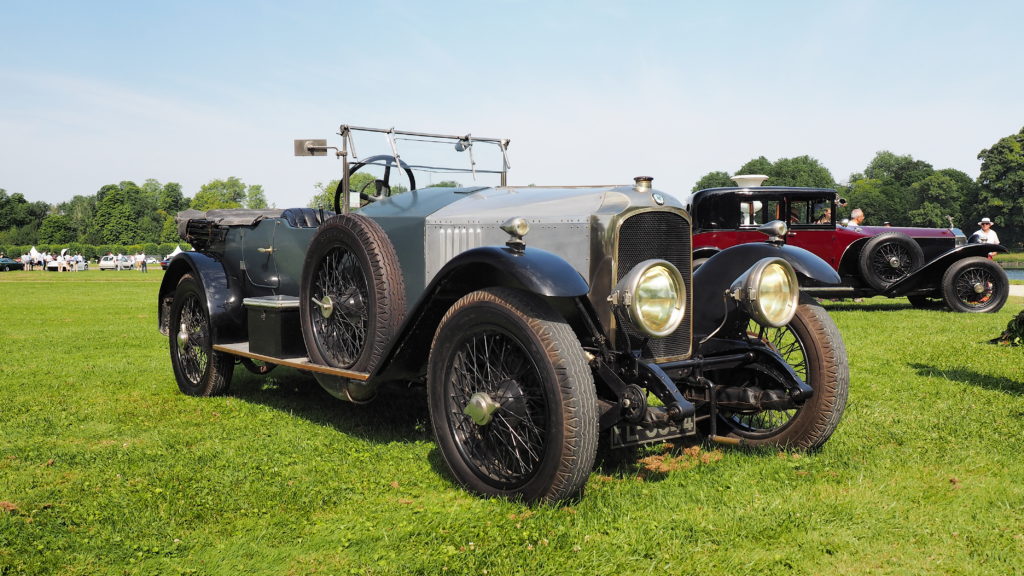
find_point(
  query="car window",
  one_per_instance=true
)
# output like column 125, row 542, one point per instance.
column 811, row 212
column 757, row 212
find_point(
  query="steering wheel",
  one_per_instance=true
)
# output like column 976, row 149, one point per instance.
column 381, row 186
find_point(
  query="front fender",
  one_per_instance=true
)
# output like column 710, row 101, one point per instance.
column 931, row 272
column 714, row 277
column 532, row 270
column 223, row 297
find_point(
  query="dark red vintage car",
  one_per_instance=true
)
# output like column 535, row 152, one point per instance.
column 927, row 265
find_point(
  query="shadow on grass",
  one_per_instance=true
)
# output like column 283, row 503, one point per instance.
column 398, row 414
column 973, row 378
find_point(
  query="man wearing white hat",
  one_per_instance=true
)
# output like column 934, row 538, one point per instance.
column 986, row 235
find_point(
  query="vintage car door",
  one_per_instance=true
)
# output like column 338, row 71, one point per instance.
column 812, row 226
column 259, row 254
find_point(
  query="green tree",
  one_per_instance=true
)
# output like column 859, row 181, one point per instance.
column 759, row 165
column 713, row 180
column 254, row 197
column 890, row 192
column 171, row 199
column 1001, row 187
column 116, row 221
column 441, row 184
column 218, row 194
column 56, row 229
column 939, row 198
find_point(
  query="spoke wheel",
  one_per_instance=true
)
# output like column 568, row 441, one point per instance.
column 198, row 370
column 512, row 400
column 352, row 297
column 812, row 346
column 889, row 258
column 975, row 285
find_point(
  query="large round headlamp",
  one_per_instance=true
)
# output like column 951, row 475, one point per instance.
column 768, row 291
column 654, row 295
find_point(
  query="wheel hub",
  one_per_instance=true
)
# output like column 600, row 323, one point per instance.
column 894, row 262
column 481, row 408
column 326, row 306
column 182, row 337
column 979, row 288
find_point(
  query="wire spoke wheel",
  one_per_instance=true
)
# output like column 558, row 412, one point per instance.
column 812, row 346
column 891, row 262
column 352, row 295
column 191, row 353
column 888, row 258
column 975, row 284
column 788, row 345
column 975, row 287
column 508, row 449
column 340, row 284
column 198, row 370
column 512, row 399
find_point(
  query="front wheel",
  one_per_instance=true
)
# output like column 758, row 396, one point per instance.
column 198, row 370
column 512, row 399
column 975, row 284
column 812, row 346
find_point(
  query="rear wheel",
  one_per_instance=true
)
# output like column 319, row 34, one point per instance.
column 512, row 400
column 198, row 370
column 975, row 285
column 812, row 346
column 889, row 258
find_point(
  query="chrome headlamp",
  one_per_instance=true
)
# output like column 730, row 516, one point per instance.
column 768, row 292
column 654, row 295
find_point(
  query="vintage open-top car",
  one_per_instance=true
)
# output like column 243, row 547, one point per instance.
column 540, row 319
column 927, row 265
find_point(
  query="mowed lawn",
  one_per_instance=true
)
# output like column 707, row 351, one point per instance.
column 105, row 468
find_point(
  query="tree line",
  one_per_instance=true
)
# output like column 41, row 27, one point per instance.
column 892, row 188
column 905, row 191
column 125, row 216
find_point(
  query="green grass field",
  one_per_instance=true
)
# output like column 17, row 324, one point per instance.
column 105, row 468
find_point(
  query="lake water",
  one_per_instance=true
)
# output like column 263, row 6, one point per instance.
column 1015, row 274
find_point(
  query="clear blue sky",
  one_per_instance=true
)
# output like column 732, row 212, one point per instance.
column 97, row 92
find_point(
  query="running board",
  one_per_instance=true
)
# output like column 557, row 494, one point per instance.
column 300, row 363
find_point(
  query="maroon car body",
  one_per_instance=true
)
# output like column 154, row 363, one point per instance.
column 928, row 265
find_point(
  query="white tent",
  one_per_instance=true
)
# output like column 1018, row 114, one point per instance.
column 177, row 250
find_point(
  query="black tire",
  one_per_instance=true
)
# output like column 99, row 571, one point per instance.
column 888, row 258
column 198, row 370
column 509, row 346
column 812, row 345
column 975, row 284
column 351, row 266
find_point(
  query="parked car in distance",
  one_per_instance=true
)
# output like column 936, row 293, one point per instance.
column 164, row 263
column 540, row 320
column 54, row 266
column 8, row 264
column 930, row 266
column 112, row 262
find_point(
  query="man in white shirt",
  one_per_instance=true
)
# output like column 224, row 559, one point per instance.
column 986, row 235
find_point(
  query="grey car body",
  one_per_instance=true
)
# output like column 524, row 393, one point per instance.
column 523, row 310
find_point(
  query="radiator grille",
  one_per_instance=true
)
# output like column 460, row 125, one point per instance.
column 663, row 235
